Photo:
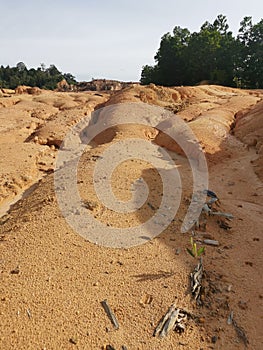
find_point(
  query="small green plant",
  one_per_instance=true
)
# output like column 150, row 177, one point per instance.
column 194, row 252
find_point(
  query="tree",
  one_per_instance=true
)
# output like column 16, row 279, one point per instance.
column 250, row 71
column 53, row 71
column 21, row 66
column 169, row 59
column 220, row 24
column 69, row 78
column 149, row 75
column 47, row 78
column 256, row 56
column 42, row 67
column 245, row 31
column 212, row 54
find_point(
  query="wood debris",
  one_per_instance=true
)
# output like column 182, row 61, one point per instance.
column 230, row 318
column 73, row 341
column 219, row 213
column 196, row 282
column 108, row 347
column 239, row 330
column 211, row 242
column 223, row 224
column 15, row 271
column 174, row 319
column 146, row 299
column 241, row 333
column 110, row 313
column 209, row 210
column 28, row 313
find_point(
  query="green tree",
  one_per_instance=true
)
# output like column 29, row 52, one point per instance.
column 256, row 56
column 212, row 54
column 21, row 66
column 149, row 75
column 47, row 78
column 170, row 57
column 69, row 78
column 250, row 71
column 170, row 60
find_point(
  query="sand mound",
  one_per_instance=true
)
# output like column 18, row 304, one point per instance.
column 210, row 111
column 27, row 124
column 22, row 89
column 249, row 126
column 53, row 132
column 249, row 129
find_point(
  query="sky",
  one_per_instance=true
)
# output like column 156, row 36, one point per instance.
column 109, row 39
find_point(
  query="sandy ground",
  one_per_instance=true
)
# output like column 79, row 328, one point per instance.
column 53, row 280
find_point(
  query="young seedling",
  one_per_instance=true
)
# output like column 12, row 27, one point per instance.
column 194, row 252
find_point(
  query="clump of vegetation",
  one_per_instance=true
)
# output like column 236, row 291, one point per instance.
column 212, row 55
column 42, row 77
column 194, row 252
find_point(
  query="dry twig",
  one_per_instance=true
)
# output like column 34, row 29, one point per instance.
column 110, row 313
column 196, row 282
column 173, row 319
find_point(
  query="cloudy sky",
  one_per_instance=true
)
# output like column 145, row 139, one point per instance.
column 104, row 38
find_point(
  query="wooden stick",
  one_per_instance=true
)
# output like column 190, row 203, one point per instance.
column 211, row 242
column 219, row 213
column 110, row 313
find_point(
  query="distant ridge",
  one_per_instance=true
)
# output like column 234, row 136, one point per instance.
column 102, row 85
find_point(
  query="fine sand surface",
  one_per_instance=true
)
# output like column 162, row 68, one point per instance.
column 53, row 280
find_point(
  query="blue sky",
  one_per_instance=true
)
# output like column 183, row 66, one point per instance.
column 104, row 38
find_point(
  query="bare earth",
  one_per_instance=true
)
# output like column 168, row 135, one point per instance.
column 53, row 280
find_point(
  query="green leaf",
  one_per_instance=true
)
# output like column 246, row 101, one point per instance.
column 190, row 252
column 200, row 251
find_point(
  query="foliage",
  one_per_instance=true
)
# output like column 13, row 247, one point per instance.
column 213, row 54
column 42, row 77
column 194, row 252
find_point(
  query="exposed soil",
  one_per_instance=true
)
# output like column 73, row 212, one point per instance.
column 53, row 280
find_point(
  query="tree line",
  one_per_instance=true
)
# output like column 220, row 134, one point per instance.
column 42, row 77
column 213, row 55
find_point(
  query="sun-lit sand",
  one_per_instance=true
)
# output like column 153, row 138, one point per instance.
column 53, row 280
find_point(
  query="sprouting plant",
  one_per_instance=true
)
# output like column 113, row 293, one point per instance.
column 194, row 252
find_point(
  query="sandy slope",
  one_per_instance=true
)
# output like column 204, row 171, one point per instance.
column 53, row 280
column 32, row 127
